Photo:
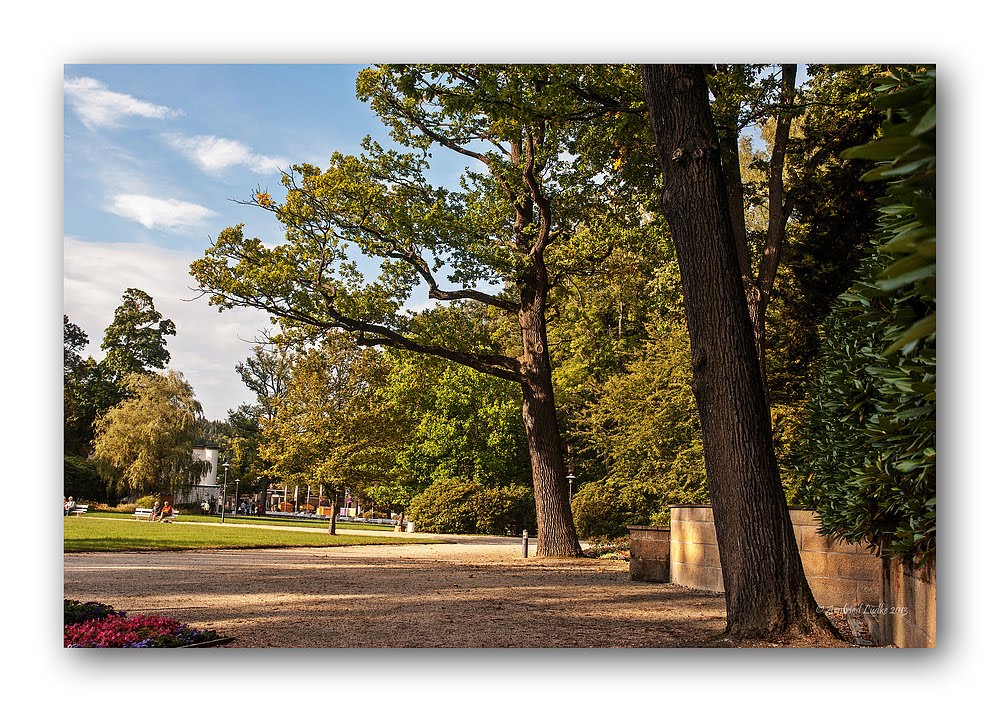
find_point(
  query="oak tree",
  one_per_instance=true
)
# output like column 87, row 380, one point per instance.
column 488, row 243
column 766, row 589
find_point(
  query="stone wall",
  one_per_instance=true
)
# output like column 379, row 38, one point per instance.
column 907, row 616
column 839, row 574
column 649, row 553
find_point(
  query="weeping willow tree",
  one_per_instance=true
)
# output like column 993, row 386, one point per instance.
column 144, row 443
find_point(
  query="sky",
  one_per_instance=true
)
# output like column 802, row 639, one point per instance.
column 155, row 157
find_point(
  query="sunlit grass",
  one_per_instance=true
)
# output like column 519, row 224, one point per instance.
column 239, row 519
column 117, row 534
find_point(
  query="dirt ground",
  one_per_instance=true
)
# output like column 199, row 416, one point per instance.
column 475, row 594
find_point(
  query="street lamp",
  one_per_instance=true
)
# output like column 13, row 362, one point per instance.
column 569, row 478
column 225, row 476
column 236, row 502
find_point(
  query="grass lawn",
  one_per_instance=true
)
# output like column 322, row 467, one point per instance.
column 238, row 519
column 120, row 534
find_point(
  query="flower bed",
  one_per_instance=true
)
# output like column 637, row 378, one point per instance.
column 602, row 547
column 97, row 625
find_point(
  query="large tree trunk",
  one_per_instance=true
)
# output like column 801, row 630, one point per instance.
column 556, row 532
column 766, row 590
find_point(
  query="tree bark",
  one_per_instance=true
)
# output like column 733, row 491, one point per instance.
column 766, row 590
column 332, row 529
column 556, row 531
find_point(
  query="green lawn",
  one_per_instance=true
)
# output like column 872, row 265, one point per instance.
column 93, row 533
column 313, row 524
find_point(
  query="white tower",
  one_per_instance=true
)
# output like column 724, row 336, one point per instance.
column 208, row 453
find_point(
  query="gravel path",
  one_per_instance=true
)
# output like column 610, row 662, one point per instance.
column 475, row 594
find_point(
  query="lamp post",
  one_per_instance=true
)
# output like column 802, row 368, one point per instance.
column 225, row 476
column 236, row 501
column 569, row 478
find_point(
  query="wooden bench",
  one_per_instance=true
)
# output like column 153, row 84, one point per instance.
column 79, row 509
column 144, row 512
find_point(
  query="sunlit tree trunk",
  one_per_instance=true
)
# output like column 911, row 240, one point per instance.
column 767, row 593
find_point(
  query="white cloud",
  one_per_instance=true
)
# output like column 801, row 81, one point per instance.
column 214, row 154
column 159, row 213
column 96, row 105
column 208, row 344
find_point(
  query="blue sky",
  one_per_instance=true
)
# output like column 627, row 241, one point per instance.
column 154, row 156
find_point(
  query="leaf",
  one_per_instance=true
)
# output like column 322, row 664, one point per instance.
column 922, row 328
column 909, row 277
column 927, row 122
column 882, row 150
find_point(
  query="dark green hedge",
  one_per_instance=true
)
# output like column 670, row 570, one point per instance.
column 869, row 448
column 81, row 480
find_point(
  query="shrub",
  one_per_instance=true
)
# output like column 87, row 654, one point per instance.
column 80, row 479
column 147, row 501
column 505, row 511
column 456, row 506
column 607, row 507
column 76, row 612
column 869, row 448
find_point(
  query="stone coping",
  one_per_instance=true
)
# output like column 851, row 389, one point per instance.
column 638, row 528
column 708, row 506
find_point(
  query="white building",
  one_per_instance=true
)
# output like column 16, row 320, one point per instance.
column 208, row 487
column 208, row 453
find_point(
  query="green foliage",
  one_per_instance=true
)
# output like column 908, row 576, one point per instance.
column 88, row 391
column 135, row 341
column 832, row 226
column 462, row 423
column 81, row 479
column 869, row 447
column 146, row 501
column 457, row 506
column 643, row 426
column 144, row 443
column 328, row 428
column 606, row 507
column 907, row 155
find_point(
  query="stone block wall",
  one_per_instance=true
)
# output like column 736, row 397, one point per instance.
column 907, row 616
column 839, row 574
column 649, row 553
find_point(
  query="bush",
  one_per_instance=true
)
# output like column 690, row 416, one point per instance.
column 146, row 502
column 869, row 449
column 607, row 507
column 456, row 506
column 505, row 511
column 80, row 479
column 77, row 612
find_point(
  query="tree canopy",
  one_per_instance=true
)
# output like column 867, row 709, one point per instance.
column 144, row 443
column 135, row 341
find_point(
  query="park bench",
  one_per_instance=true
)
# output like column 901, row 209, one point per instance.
column 79, row 509
column 144, row 512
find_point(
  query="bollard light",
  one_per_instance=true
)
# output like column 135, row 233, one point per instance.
column 569, row 478
column 524, row 543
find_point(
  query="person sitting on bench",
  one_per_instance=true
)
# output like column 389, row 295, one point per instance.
column 166, row 512
column 157, row 509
